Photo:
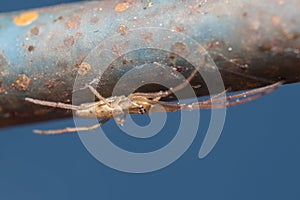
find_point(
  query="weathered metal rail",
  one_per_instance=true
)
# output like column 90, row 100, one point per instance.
column 253, row 43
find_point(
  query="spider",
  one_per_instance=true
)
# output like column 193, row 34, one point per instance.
column 141, row 103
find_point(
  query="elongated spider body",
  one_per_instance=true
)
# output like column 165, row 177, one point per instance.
column 141, row 103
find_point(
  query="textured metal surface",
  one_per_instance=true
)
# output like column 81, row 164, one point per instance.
column 253, row 43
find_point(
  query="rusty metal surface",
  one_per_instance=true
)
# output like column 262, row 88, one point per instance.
column 43, row 50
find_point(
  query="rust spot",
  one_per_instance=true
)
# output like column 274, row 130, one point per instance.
column 26, row 18
column 178, row 69
column 275, row 20
column 73, row 22
column 121, row 7
column 4, row 64
column 180, row 48
column 58, row 19
column 78, row 35
column 117, row 50
column 18, row 114
column 41, row 112
column 125, row 61
column 148, row 36
column 245, row 14
column 31, row 48
column 1, row 87
column 34, row 31
column 94, row 20
column 295, row 36
column 52, row 83
column 179, row 28
column 84, row 68
column 265, row 47
column 22, row 82
column 123, row 30
column 214, row 44
column 149, row 5
column 69, row 41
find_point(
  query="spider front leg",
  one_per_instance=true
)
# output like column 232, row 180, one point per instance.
column 70, row 130
column 99, row 96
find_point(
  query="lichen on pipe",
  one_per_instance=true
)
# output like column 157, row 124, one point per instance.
column 43, row 50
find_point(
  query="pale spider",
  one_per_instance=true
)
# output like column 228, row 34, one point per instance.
column 140, row 103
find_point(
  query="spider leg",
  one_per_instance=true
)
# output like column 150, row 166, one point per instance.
column 69, row 130
column 121, row 119
column 233, row 100
column 98, row 95
column 53, row 104
column 61, row 105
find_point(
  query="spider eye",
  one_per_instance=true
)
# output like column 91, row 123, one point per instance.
column 142, row 110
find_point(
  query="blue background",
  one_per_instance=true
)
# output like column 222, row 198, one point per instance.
column 257, row 156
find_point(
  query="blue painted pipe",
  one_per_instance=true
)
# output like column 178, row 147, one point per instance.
column 43, row 50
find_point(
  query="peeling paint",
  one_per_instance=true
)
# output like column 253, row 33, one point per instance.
column 26, row 18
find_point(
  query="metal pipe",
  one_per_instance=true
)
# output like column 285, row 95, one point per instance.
column 43, row 50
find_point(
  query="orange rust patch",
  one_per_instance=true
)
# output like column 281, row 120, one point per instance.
column 179, row 28
column 73, row 22
column 34, row 31
column 26, row 18
column 123, row 30
column 150, row 4
column 84, row 68
column 180, row 48
column 121, row 7
column 69, row 41
column 275, row 20
column 1, row 88
column 52, row 83
column 214, row 44
column 22, row 82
